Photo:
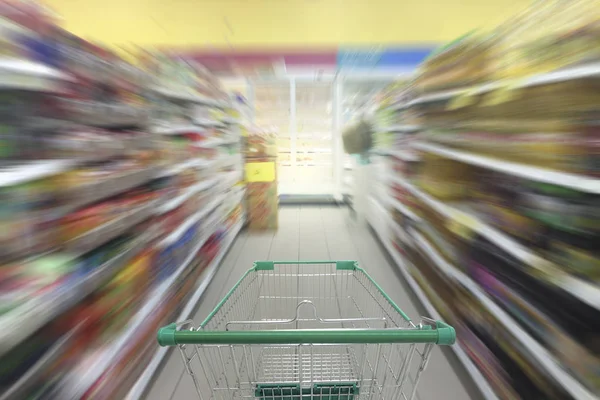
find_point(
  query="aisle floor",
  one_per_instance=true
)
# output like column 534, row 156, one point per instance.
column 316, row 233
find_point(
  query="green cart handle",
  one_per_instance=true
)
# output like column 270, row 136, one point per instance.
column 443, row 334
column 270, row 265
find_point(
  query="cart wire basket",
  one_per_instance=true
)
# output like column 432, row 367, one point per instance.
column 298, row 330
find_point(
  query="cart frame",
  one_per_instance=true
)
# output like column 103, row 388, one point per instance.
column 306, row 330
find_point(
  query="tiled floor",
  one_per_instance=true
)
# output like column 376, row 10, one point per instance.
column 317, row 233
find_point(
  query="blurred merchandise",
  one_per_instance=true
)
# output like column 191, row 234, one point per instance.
column 492, row 192
column 260, row 144
column 263, row 203
column 262, row 200
column 112, row 184
column 126, row 175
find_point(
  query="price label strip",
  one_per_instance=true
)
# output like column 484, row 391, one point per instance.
column 260, row 172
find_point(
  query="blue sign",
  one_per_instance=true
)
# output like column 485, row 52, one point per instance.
column 380, row 57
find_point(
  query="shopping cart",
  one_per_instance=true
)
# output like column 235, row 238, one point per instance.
column 306, row 330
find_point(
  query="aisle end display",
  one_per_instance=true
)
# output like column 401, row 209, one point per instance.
column 262, row 198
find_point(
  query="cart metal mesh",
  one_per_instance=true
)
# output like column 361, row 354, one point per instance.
column 298, row 330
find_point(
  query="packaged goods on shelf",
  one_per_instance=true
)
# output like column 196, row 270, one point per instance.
column 105, row 165
column 260, row 144
column 464, row 62
column 497, row 220
column 549, row 36
column 491, row 350
column 559, row 151
column 444, row 178
column 555, row 319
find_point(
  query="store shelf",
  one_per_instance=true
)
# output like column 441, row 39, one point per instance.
column 235, row 197
column 176, row 234
column 404, row 210
column 22, row 173
column 401, row 234
column 179, row 167
column 30, row 380
column 400, row 128
column 228, row 161
column 28, row 75
column 399, row 154
column 572, row 181
column 216, row 142
column 67, row 277
column 536, row 350
column 219, row 162
column 187, row 193
column 231, row 121
column 111, row 115
column 540, row 364
column 472, row 370
column 95, row 191
column 183, row 94
column 110, row 355
column 178, row 130
column 230, row 179
column 26, row 319
column 209, row 123
column 588, row 71
column 584, row 291
column 34, row 170
column 139, row 388
column 108, row 231
column 30, row 68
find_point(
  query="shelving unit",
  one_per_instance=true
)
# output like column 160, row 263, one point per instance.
column 572, row 181
column 141, row 385
column 33, row 170
column 494, row 279
column 587, row 71
column 585, row 291
column 478, row 378
column 19, row 74
column 189, row 199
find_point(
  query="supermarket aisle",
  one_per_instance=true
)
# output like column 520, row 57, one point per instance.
column 316, row 233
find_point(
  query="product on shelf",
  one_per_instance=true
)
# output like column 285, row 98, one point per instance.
column 554, row 318
column 463, row 62
column 548, row 36
column 498, row 220
column 97, row 209
column 443, row 178
column 260, row 144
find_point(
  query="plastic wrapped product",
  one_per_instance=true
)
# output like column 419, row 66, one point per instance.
column 358, row 138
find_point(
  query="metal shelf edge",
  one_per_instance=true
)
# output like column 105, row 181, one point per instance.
column 144, row 380
column 479, row 380
column 538, row 351
column 565, row 179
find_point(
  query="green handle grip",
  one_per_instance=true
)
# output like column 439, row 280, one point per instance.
column 442, row 335
column 270, row 265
